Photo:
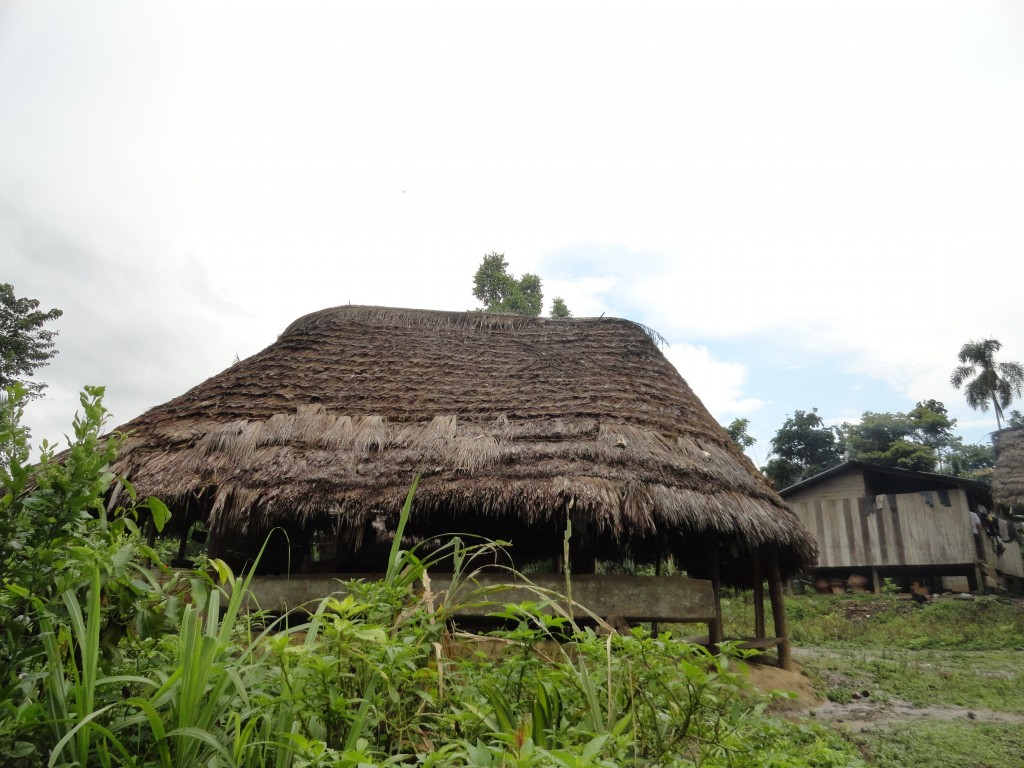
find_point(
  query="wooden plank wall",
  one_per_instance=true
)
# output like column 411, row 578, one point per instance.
column 1009, row 561
column 849, row 485
column 851, row 532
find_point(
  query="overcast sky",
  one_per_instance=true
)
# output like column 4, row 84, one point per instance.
column 815, row 203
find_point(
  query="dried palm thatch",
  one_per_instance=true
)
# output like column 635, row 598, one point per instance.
column 520, row 424
column 1008, row 479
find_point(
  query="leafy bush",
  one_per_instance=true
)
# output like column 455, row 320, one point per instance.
column 72, row 585
column 104, row 666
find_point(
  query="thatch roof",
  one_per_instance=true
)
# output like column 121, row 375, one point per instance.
column 1008, row 479
column 519, row 423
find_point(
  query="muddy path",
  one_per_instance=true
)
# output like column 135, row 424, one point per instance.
column 863, row 714
column 865, row 709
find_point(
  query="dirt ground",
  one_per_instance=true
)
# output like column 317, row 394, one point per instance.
column 861, row 713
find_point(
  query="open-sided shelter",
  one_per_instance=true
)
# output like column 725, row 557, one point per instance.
column 519, row 426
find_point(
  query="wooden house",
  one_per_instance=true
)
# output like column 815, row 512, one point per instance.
column 877, row 522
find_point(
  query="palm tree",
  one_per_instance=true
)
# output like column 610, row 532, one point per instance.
column 993, row 382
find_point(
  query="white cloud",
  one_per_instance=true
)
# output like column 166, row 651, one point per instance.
column 719, row 384
column 842, row 184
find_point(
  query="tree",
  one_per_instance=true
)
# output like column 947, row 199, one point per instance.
column 24, row 343
column 802, row 448
column 737, row 430
column 974, row 462
column 501, row 292
column 932, row 424
column 1016, row 419
column 883, row 438
column 986, row 380
column 558, row 308
column 906, row 440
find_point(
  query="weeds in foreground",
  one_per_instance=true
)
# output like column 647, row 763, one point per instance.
column 104, row 667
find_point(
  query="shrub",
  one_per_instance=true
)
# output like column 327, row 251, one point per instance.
column 101, row 666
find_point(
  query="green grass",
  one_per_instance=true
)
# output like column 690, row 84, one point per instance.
column 989, row 679
column 986, row 623
column 947, row 653
column 960, row 744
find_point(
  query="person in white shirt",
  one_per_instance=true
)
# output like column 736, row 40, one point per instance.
column 976, row 530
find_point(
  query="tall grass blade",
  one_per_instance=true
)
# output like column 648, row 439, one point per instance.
column 594, row 709
column 156, row 726
column 395, row 560
column 197, row 735
column 85, row 637
column 359, row 721
column 503, row 715
column 56, row 687
column 82, row 724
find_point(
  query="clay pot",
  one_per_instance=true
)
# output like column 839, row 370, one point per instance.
column 857, row 583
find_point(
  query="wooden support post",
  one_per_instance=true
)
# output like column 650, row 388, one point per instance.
column 759, row 632
column 715, row 628
column 179, row 561
column 150, row 538
column 779, row 611
column 876, row 582
column 657, row 572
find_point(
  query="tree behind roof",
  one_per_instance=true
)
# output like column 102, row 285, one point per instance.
column 802, row 448
column 559, row 308
column 24, row 342
column 502, row 292
column 911, row 440
column 737, row 430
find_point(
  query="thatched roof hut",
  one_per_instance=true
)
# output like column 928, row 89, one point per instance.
column 1008, row 478
column 519, row 423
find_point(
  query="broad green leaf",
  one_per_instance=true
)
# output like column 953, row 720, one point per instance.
column 161, row 514
column 224, row 573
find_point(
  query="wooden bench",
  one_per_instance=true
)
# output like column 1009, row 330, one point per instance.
column 633, row 598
